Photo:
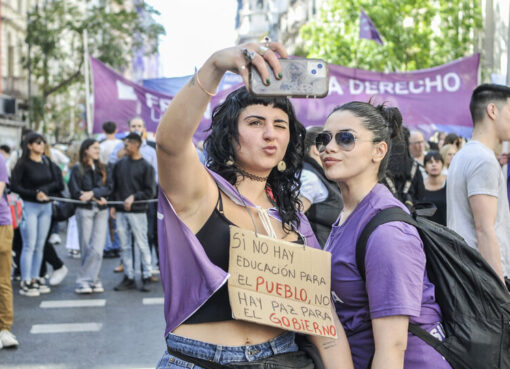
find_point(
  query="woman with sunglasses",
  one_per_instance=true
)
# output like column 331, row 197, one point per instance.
column 34, row 178
column 354, row 151
column 254, row 151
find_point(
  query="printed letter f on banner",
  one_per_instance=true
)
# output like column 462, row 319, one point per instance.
column 368, row 30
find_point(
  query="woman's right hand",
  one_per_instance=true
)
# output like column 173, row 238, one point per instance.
column 41, row 197
column 235, row 60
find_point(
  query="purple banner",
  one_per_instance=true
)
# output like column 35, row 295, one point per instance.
column 118, row 99
column 430, row 99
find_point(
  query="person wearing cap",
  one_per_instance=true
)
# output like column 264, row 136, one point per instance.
column 133, row 180
column 148, row 152
column 476, row 190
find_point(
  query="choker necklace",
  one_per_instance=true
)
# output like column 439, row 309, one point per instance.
column 252, row 176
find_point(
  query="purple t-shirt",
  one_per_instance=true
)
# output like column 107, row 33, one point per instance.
column 396, row 282
column 5, row 212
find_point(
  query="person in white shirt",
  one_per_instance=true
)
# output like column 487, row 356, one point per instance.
column 476, row 189
column 106, row 147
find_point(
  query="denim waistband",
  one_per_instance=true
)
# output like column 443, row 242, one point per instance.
column 284, row 343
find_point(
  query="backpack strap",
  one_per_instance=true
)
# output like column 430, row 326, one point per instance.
column 408, row 183
column 393, row 214
column 391, row 185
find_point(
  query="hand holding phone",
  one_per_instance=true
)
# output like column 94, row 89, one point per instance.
column 301, row 78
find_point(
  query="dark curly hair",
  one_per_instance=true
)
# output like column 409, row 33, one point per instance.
column 224, row 135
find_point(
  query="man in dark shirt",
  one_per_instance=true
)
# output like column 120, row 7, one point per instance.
column 133, row 180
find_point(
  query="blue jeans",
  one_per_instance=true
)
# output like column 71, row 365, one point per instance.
column 92, row 224
column 253, row 356
column 135, row 224
column 34, row 229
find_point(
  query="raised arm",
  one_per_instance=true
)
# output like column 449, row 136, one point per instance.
column 181, row 175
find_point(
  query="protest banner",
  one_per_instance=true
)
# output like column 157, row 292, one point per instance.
column 429, row 99
column 118, row 99
column 280, row 283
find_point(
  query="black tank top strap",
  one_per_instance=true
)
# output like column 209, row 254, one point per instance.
column 219, row 204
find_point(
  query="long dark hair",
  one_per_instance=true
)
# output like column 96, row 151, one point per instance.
column 384, row 122
column 219, row 146
column 29, row 139
column 84, row 158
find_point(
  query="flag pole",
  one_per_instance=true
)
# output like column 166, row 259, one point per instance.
column 88, row 110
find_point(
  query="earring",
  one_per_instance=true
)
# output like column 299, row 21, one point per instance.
column 281, row 166
column 230, row 161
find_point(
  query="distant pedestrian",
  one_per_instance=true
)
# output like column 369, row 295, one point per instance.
column 435, row 185
column 403, row 177
column 477, row 201
column 112, row 247
column 148, row 152
column 108, row 145
column 7, row 339
column 34, row 178
column 133, row 180
column 448, row 152
column 88, row 183
column 418, row 149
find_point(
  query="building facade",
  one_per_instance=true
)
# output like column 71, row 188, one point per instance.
column 494, row 40
column 14, row 79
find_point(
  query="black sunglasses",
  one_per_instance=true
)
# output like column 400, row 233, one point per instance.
column 38, row 142
column 344, row 139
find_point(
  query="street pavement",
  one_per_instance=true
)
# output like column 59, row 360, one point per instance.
column 111, row 330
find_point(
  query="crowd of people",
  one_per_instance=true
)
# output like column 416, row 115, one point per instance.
column 260, row 169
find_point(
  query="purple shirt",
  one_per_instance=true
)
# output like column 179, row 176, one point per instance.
column 5, row 212
column 396, row 282
column 189, row 278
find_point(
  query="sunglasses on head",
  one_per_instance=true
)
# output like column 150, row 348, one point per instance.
column 344, row 139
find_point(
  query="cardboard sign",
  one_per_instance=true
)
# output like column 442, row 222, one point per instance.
column 279, row 283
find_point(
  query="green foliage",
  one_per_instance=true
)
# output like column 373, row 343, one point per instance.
column 55, row 35
column 416, row 33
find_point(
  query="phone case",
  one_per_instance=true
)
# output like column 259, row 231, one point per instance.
column 301, row 78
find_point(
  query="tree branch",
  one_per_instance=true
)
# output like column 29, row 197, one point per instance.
column 64, row 83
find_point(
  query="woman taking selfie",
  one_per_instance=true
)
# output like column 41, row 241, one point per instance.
column 255, row 145
column 354, row 151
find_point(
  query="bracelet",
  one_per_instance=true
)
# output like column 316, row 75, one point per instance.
column 200, row 85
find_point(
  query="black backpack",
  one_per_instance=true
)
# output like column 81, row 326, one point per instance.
column 474, row 302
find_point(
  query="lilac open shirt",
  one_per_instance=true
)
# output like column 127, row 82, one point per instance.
column 189, row 278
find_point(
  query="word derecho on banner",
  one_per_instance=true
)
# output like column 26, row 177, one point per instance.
column 280, row 283
column 450, row 82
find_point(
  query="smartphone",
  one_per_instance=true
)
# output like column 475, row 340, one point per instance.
column 301, row 78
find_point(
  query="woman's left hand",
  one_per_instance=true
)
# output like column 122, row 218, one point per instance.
column 86, row 196
column 237, row 59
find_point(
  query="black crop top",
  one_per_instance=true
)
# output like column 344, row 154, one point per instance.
column 215, row 239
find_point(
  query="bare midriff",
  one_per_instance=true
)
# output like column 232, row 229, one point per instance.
column 229, row 333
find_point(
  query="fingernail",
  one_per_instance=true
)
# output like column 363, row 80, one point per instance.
column 268, row 81
column 280, row 75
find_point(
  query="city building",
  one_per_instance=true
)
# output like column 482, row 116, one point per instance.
column 14, row 79
column 494, row 40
